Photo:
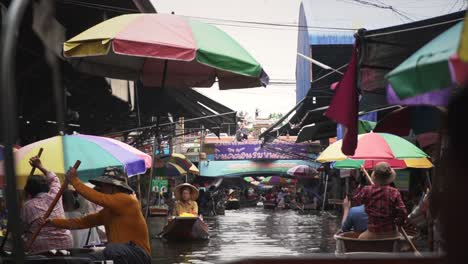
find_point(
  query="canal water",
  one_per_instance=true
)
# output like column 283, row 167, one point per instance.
column 251, row 232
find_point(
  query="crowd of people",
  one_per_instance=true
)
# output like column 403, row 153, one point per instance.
column 106, row 210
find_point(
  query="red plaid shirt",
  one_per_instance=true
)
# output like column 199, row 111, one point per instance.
column 384, row 207
column 33, row 209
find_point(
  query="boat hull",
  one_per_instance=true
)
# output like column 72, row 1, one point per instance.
column 158, row 211
column 348, row 242
column 232, row 205
column 185, row 229
column 269, row 205
column 249, row 203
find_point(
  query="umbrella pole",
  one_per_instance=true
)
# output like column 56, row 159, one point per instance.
column 151, row 176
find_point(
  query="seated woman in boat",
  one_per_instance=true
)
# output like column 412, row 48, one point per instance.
column 186, row 196
column 383, row 204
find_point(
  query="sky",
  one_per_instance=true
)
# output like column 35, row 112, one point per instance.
column 274, row 47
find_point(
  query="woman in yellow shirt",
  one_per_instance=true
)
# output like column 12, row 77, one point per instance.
column 186, row 196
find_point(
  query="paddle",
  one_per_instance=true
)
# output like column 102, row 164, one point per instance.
column 416, row 251
column 51, row 207
column 367, row 175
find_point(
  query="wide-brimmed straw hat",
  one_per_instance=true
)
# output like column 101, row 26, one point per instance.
column 193, row 191
column 383, row 173
column 113, row 176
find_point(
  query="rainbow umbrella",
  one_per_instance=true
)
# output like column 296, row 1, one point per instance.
column 164, row 50
column 421, row 163
column 175, row 165
column 426, row 77
column 303, row 171
column 96, row 153
column 277, row 180
column 374, row 146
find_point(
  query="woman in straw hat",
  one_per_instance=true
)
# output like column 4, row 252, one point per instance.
column 383, row 204
column 186, row 196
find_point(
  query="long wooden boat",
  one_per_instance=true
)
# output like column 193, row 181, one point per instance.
column 185, row 229
column 269, row 205
column 158, row 210
column 249, row 203
column 232, row 204
column 348, row 242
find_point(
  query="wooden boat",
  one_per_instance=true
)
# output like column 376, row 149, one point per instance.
column 232, row 204
column 185, row 229
column 249, row 202
column 348, row 242
column 269, row 205
column 156, row 210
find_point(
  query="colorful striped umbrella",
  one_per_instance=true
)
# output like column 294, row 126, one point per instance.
column 303, row 171
column 421, row 163
column 375, row 146
column 175, row 164
column 249, row 179
column 164, row 51
column 427, row 70
column 96, row 153
column 277, row 180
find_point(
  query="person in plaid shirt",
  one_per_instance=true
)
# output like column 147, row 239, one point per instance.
column 40, row 191
column 383, row 204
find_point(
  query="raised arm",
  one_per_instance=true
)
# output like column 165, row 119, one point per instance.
column 88, row 221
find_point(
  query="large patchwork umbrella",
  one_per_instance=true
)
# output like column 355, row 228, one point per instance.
column 426, row 73
column 164, row 51
column 374, row 146
column 421, row 163
column 96, row 153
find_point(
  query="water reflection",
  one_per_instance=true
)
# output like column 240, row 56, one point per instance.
column 252, row 232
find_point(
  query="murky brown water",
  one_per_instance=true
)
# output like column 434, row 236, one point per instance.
column 250, row 232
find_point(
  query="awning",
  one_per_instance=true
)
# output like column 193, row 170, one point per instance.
column 238, row 168
column 381, row 50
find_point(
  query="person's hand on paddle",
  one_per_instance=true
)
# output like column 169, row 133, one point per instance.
column 35, row 162
column 41, row 221
column 71, row 174
column 346, row 203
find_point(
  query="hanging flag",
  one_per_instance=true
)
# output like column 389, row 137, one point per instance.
column 344, row 106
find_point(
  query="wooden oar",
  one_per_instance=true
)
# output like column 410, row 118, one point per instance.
column 51, row 207
column 367, row 175
column 416, row 251
column 33, row 169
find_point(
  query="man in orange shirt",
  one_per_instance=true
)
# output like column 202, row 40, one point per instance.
column 126, row 228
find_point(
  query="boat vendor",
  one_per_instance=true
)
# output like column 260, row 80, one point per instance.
column 186, row 196
column 126, row 228
column 40, row 191
column 383, row 204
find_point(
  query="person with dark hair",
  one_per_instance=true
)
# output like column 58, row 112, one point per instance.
column 125, row 225
column 39, row 192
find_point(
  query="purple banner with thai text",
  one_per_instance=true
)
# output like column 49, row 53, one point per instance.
column 254, row 151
